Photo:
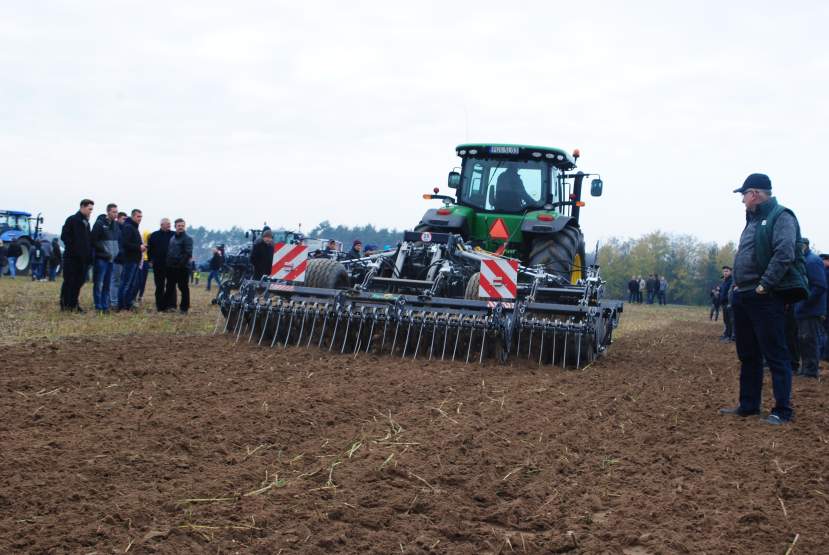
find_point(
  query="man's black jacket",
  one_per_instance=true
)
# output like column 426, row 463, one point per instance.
column 261, row 256
column 130, row 243
column 76, row 237
column 157, row 246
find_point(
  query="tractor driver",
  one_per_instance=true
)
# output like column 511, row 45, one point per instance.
column 510, row 194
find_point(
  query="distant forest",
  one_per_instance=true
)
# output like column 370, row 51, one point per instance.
column 692, row 267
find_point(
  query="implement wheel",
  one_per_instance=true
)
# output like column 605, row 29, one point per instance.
column 473, row 287
column 561, row 254
column 325, row 273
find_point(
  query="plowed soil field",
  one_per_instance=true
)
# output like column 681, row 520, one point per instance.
column 190, row 444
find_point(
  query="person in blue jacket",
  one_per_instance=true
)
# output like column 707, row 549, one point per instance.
column 810, row 314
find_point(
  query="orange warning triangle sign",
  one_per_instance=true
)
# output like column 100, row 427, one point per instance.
column 499, row 230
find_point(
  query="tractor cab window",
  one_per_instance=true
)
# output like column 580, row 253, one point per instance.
column 10, row 221
column 505, row 186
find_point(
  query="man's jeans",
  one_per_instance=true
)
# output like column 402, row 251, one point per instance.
column 101, row 278
column 12, row 262
column 115, row 284
column 129, row 280
column 37, row 271
column 761, row 333
column 651, row 295
column 214, row 274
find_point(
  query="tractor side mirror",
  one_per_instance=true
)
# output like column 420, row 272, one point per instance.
column 454, row 180
column 596, row 187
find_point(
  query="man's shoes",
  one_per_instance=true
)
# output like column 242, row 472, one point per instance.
column 738, row 411
column 79, row 310
column 774, row 420
column 183, row 312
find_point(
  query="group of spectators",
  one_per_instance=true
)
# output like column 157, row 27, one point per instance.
column 44, row 258
column 120, row 258
column 655, row 286
column 774, row 303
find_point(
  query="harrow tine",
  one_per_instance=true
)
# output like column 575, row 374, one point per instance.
column 564, row 353
column 469, row 347
column 578, row 350
column 406, row 344
column 483, row 342
column 240, row 325
column 218, row 319
column 290, row 323
column 419, row 335
column 265, row 325
column 457, row 337
column 371, row 331
column 434, row 330
column 324, row 322
column 334, row 335
column 553, row 358
column 345, row 335
column 385, row 326
column 302, row 327
column 541, row 349
column 530, row 345
column 394, row 342
column 313, row 325
column 229, row 312
column 278, row 321
column 445, row 336
column 253, row 326
column 359, row 332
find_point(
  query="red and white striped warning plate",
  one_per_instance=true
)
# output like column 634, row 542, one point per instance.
column 499, row 279
column 289, row 262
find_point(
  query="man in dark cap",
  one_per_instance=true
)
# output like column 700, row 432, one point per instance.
column 810, row 315
column 356, row 249
column 261, row 256
column 768, row 274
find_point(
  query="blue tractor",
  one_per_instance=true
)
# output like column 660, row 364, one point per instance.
column 24, row 228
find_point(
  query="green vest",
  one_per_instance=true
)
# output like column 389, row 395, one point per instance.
column 794, row 286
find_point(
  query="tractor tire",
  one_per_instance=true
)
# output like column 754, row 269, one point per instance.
column 24, row 261
column 473, row 287
column 561, row 254
column 325, row 273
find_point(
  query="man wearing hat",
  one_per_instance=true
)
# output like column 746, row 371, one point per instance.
column 768, row 274
column 356, row 249
column 810, row 314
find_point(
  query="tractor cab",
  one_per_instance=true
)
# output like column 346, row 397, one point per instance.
column 511, row 197
column 13, row 224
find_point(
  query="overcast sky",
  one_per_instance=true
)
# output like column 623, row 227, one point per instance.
column 294, row 112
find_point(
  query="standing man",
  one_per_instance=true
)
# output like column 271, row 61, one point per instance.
column 768, row 273
column 117, row 265
column 132, row 248
column 157, row 246
column 144, row 268
column 261, row 255
column 12, row 252
column 652, row 287
column 642, row 285
column 105, row 234
column 825, row 351
column 54, row 259
column 633, row 288
column 216, row 263
column 810, row 315
column 37, row 256
column 725, row 303
column 179, row 255
column 76, row 237
column 663, row 291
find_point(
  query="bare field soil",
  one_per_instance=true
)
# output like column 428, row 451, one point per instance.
column 173, row 442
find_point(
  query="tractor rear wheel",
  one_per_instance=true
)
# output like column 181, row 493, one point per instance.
column 325, row 273
column 23, row 262
column 561, row 254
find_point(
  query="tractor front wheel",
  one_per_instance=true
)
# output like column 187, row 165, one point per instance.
column 561, row 254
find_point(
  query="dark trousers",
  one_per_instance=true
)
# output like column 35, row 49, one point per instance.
column 214, row 274
column 651, row 295
column 73, row 278
column 728, row 320
column 129, row 285
column 810, row 334
column 180, row 277
column 761, row 333
column 792, row 337
column 715, row 312
column 165, row 290
column 143, row 272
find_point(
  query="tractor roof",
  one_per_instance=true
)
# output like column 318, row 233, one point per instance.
column 14, row 213
column 557, row 156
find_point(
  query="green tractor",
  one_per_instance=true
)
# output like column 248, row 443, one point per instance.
column 495, row 273
column 517, row 201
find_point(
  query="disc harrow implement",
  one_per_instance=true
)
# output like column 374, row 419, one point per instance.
column 414, row 303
